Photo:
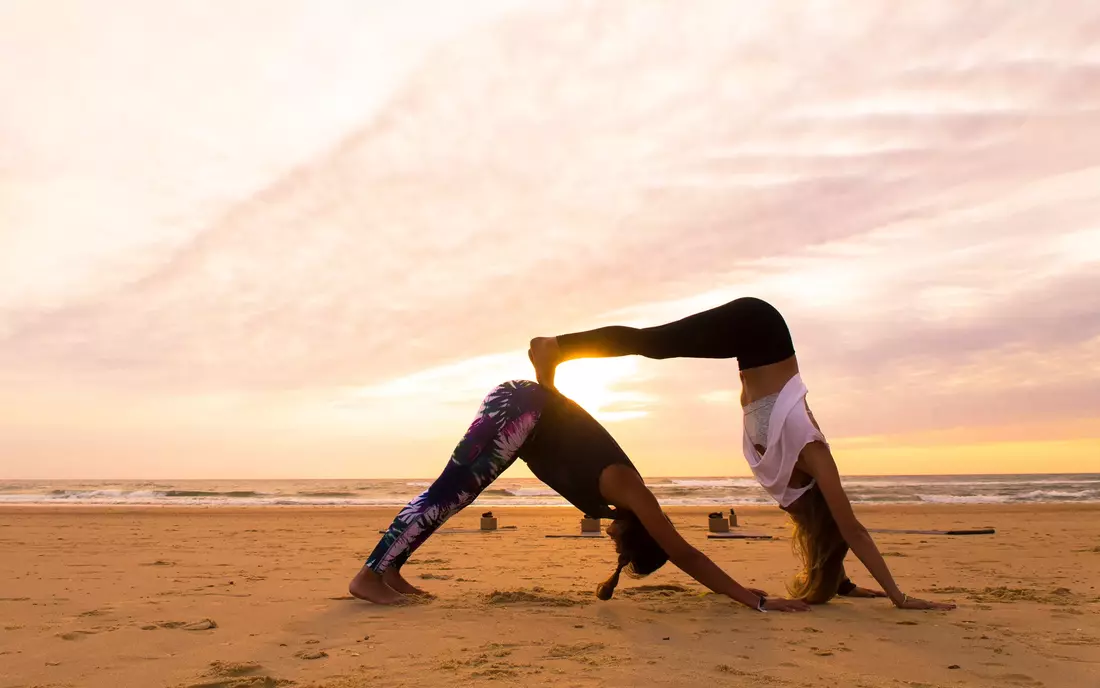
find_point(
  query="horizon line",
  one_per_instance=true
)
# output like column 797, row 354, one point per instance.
column 423, row 478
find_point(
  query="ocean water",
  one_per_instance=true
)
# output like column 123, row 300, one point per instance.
column 924, row 489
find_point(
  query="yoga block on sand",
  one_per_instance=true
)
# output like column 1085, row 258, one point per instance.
column 718, row 523
column 590, row 525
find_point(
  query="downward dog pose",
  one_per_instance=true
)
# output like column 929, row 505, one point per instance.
column 783, row 443
column 572, row 453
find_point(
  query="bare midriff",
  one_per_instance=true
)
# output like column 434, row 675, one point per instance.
column 757, row 383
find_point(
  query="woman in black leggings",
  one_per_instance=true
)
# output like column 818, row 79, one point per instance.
column 783, row 443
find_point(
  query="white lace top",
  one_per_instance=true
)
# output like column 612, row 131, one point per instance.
column 788, row 429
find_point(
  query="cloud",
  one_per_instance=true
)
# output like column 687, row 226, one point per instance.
column 913, row 187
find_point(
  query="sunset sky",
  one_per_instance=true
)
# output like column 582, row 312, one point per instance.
column 302, row 239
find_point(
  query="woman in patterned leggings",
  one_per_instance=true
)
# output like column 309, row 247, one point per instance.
column 573, row 454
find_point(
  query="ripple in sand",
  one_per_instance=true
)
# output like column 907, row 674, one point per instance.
column 202, row 625
column 244, row 682
column 757, row 679
column 232, row 669
column 500, row 649
column 1077, row 639
column 536, row 598
column 1058, row 596
column 575, row 650
column 311, row 654
column 75, row 635
column 484, row 666
column 657, row 590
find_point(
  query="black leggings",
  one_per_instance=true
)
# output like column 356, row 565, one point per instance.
column 748, row 329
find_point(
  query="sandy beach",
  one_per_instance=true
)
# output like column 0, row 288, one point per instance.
column 224, row 597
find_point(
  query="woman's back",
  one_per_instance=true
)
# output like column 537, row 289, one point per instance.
column 569, row 450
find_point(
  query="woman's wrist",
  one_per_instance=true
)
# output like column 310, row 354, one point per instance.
column 749, row 599
column 893, row 592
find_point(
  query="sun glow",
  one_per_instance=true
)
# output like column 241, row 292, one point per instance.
column 456, row 388
column 592, row 383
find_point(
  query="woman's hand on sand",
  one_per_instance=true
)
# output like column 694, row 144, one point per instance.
column 780, row 604
column 914, row 603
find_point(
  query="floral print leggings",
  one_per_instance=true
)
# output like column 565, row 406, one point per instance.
column 506, row 418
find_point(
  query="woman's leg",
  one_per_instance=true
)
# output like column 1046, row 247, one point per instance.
column 490, row 445
column 727, row 331
column 710, row 334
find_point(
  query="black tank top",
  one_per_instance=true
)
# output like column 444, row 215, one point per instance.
column 568, row 450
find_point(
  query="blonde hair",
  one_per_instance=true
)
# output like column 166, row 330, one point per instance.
column 817, row 542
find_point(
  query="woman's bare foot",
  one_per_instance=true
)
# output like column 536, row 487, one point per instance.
column 368, row 585
column 393, row 578
column 544, row 356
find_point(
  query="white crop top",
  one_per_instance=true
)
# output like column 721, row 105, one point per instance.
column 789, row 430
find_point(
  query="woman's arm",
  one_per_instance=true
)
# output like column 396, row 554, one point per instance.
column 818, row 462
column 624, row 488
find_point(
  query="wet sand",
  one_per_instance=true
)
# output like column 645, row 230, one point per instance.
column 227, row 598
